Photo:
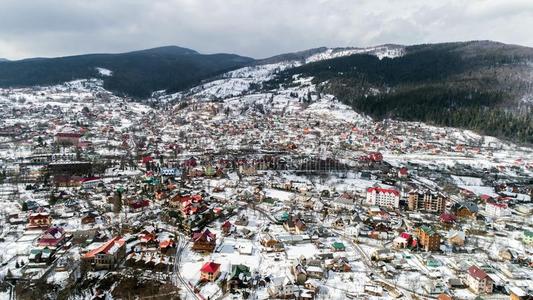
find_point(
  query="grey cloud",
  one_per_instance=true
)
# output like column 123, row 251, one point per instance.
column 257, row 28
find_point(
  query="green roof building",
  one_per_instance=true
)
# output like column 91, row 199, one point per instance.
column 237, row 270
column 283, row 217
column 338, row 246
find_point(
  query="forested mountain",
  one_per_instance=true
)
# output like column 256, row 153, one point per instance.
column 135, row 73
column 481, row 85
column 484, row 86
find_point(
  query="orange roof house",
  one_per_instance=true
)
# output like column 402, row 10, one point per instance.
column 106, row 255
column 167, row 246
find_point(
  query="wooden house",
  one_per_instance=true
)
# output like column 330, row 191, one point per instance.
column 204, row 241
column 39, row 220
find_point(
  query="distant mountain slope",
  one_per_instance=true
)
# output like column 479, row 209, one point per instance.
column 299, row 56
column 137, row 73
column 481, row 85
column 323, row 53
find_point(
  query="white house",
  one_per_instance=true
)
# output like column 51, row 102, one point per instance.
column 383, row 197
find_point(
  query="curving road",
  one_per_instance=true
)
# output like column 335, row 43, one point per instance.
column 177, row 277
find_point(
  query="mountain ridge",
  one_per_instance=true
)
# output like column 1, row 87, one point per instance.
column 32, row 71
column 135, row 73
column 478, row 85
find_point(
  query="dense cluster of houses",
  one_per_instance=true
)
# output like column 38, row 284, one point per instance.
column 296, row 204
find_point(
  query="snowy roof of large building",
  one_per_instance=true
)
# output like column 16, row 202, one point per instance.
column 382, row 190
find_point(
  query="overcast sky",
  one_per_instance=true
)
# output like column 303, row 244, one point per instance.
column 256, row 28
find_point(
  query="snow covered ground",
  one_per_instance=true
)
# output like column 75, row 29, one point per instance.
column 379, row 51
column 232, row 112
column 104, row 72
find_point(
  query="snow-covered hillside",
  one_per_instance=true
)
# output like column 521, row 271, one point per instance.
column 379, row 51
column 244, row 80
column 104, row 72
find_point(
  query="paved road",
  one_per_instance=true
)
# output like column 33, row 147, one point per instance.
column 182, row 243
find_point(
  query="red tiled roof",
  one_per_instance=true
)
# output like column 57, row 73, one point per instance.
column 206, row 236
column 382, row 190
column 139, row 204
column 165, row 243
column 226, row 224
column 477, row 273
column 485, row 197
column 375, row 156
column 105, row 247
column 89, row 179
column 210, row 267
column 444, row 297
column 447, row 218
column 68, row 134
column 145, row 238
column 405, row 235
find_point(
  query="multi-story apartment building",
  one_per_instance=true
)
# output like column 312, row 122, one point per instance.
column 383, row 197
column 497, row 209
column 427, row 201
column 428, row 238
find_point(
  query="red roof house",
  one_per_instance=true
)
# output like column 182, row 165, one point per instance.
column 139, row 205
column 478, row 281
column 52, row 237
column 447, row 218
column 383, row 197
column 226, row 227
column 485, row 197
column 375, row 156
column 403, row 172
column 147, row 159
column 72, row 138
column 209, row 271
